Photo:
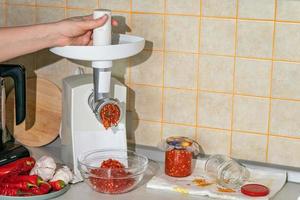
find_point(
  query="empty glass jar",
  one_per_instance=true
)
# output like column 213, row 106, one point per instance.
column 227, row 172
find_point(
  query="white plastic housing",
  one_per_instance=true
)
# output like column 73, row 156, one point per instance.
column 81, row 131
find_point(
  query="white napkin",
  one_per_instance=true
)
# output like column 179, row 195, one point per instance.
column 274, row 180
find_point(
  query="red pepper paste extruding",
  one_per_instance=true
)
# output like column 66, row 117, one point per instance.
column 113, row 181
column 110, row 115
column 178, row 162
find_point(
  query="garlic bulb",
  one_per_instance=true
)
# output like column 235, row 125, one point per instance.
column 63, row 174
column 44, row 167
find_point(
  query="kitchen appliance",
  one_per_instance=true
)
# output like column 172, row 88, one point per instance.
column 85, row 96
column 9, row 151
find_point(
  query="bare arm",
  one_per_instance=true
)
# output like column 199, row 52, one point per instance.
column 17, row 41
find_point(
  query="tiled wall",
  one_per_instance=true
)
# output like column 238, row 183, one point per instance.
column 224, row 72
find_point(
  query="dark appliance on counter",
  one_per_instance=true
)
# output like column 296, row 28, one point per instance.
column 9, row 151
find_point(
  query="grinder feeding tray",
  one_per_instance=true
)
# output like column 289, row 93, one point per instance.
column 94, row 106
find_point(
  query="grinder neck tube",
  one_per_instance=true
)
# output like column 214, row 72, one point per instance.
column 102, row 69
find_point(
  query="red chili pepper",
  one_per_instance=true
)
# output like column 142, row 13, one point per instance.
column 19, row 185
column 8, row 191
column 23, row 165
column 33, row 179
column 44, row 188
column 57, row 185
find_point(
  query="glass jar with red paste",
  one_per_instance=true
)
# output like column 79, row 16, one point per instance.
column 179, row 156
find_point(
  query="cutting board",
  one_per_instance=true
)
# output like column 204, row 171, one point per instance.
column 43, row 113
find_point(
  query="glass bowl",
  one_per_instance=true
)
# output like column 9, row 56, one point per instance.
column 112, row 180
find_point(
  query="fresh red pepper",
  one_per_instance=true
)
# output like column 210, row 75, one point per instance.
column 44, row 188
column 10, row 191
column 57, row 185
column 18, row 185
column 23, row 165
column 33, row 179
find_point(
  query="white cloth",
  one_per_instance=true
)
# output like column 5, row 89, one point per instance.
column 274, row 180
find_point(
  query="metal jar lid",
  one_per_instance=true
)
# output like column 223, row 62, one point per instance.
column 181, row 143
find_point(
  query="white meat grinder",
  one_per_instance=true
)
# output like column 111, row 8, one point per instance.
column 85, row 95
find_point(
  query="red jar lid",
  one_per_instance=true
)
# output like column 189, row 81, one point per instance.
column 255, row 190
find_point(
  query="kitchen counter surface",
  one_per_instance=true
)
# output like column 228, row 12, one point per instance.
column 291, row 191
column 79, row 191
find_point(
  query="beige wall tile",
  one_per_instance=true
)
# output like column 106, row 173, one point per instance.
column 146, row 68
column 261, row 9
column 255, row 39
column 82, row 4
column 286, row 80
column 180, row 70
column 214, row 110
column 145, row 102
column 216, row 73
column 287, row 41
column 184, row 105
column 285, row 118
column 145, row 133
column 288, row 10
column 249, row 146
column 2, row 15
column 217, row 36
column 177, row 130
column 214, row 141
column 284, row 151
column 28, row 2
column 220, row 8
column 15, row 19
column 123, row 5
column 28, row 61
column 252, row 77
column 48, row 14
column 51, row 2
column 251, row 114
column 148, row 6
column 183, row 37
column 78, row 12
column 191, row 7
column 52, row 67
column 149, row 27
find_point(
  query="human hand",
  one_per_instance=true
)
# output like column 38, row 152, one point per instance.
column 77, row 30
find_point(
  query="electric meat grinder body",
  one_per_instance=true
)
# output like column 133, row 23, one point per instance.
column 81, row 131
column 85, row 95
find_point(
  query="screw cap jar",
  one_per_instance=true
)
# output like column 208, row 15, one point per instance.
column 228, row 173
column 179, row 156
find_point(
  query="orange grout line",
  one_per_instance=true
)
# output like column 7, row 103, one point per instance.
column 198, row 70
column 163, row 70
column 220, row 129
column 171, row 14
column 216, row 92
column 271, row 84
column 66, row 10
column 233, row 75
column 224, row 55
